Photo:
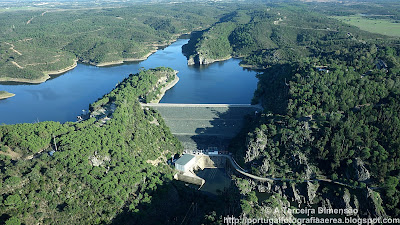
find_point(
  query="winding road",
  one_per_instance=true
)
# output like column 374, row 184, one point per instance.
column 245, row 173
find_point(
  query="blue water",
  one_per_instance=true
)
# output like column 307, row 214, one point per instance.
column 64, row 97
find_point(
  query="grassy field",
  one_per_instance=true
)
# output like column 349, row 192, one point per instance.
column 380, row 26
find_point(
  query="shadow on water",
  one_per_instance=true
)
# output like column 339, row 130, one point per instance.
column 217, row 180
column 225, row 124
column 17, row 83
column 173, row 202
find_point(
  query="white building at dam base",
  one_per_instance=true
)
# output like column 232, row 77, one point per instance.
column 185, row 162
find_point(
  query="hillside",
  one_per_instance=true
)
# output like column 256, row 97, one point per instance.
column 329, row 135
column 330, row 93
column 87, row 172
column 263, row 36
column 37, row 43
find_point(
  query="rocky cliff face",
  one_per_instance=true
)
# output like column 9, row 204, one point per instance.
column 365, row 202
column 202, row 59
column 359, row 171
column 198, row 59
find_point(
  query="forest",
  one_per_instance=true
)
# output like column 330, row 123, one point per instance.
column 330, row 97
column 331, row 101
column 330, row 126
column 85, row 172
column 38, row 42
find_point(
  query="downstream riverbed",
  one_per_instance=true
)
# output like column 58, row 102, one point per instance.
column 64, row 97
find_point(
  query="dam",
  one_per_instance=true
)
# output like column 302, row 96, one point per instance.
column 200, row 126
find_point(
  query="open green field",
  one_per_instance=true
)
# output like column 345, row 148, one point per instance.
column 380, row 26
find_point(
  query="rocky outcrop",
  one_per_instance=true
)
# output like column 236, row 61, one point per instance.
column 312, row 189
column 374, row 202
column 363, row 203
column 361, row 172
column 296, row 195
column 300, row 162
column 98, row 160
column 265, row 187
column 347, row 203
column 191, row 61
column 279, row 209
column 198, row 59
column 256, row 146
column 202, row 59
column 265, row 166
column 166, row 86
column 326, row 203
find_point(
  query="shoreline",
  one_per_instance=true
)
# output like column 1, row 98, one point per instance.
column 245, row 66
column 166, row 88
column 45, row 77
column 47, row 74
column 154, row 50
column 191, row 62
column 6, row 95
column 248, row 66
column 24, row 80
column 220, row 60
column 66, row 69
column 125, row 60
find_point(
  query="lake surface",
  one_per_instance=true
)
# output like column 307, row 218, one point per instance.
column 64, row 97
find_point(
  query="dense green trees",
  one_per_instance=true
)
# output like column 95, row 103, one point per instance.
column 52, row 41
column 97, row 169
column 330, row 94
column 333, row 111
column 264, row 36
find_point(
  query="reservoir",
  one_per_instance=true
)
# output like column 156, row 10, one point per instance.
column 64, row 97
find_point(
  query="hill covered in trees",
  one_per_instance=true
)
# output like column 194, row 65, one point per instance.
column 330, row 127
column 35, row 43
column 87, row 172
column 329, row 132
column 263, row 36
column 340, row 122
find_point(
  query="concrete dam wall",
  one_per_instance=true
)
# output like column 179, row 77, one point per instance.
column 199, row 126
column 205, row 161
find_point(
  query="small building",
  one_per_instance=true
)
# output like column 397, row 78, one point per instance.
column 185, row 162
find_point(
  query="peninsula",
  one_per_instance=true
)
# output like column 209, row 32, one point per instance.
column 5, row 94
column 100, row 37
